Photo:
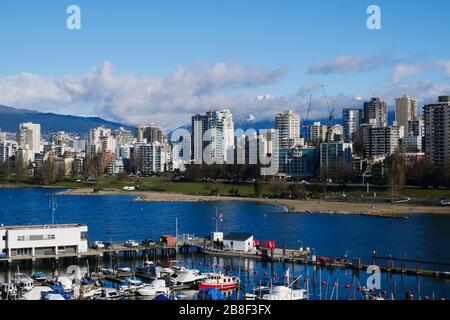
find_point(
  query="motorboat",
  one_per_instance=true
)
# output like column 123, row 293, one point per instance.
column 132, row 285
column 39, row 277
column 9, row 291
column 24, row 282
column 155, row 288
column 281, row 292
column 219, row 281
column 259, row 291
column 37, row 293
column 108, row 294
column 186, row 276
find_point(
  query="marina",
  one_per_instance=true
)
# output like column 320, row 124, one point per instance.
column 115, row 260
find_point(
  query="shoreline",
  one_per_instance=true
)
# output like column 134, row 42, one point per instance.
column 385, row 210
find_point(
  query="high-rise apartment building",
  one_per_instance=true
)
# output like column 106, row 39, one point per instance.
column 405, row 111
column 213, row 136
column 351, row 118
column 149, row 134
column 375, row 112
column 380, row 141
column 437, row 131
column 29, row 138
column 288, row 125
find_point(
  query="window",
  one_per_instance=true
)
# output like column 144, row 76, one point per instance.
column 84, row 235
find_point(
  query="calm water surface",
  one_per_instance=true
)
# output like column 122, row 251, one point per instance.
column 119, row 218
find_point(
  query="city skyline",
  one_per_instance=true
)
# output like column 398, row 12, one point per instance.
column 161, row 74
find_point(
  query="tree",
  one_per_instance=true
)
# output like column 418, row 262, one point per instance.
column 443, row 174
column 122, row 176
column 297, row 191
column 20, row 168
column 88, row 168
column 49, row 171
column 345, row 173
column 5, row 170
column 257, row 187
column 421, row 173
column 395, row 165
column 278, row 187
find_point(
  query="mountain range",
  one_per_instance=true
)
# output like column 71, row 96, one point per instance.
column 10, row 118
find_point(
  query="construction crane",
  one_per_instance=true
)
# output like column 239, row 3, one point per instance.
column 330, row 111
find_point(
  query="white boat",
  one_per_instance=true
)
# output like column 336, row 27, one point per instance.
column 156, row 287
column 186, row 276
column 108, row 294
column 285, row 293
column 132, row 285
column 37, row 293
column 53, row 296
column 124, row 269
column 24, row 282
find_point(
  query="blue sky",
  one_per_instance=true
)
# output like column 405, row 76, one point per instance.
column 299, row 41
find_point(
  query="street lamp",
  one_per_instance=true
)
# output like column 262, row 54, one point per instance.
column 301, row 244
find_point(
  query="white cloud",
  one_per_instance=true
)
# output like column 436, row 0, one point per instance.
column 402, row 71
column 127, row 98
column 351, row 63
column 170, row 101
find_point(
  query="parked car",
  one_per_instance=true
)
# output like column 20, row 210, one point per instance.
column 131, row 243
column 148, row 242
column 98, row 245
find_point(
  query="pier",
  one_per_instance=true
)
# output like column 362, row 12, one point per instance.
column 209, row 248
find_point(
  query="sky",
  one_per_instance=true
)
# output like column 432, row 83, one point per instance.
column 160, row 61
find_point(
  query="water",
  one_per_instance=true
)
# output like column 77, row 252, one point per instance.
column 118, row 218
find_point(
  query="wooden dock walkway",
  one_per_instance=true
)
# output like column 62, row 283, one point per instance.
column 206, row 247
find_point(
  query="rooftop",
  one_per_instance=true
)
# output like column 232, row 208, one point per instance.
column 44, row 226
column 238, row 236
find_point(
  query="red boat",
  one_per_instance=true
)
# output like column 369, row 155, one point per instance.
column 219, row 281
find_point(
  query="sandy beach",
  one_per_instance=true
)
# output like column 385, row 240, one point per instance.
column 294, row 206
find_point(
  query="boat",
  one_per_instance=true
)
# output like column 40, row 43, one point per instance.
column 124, row 269
column 155, row 288
column 132, row 285
column 37, row 293
column 9, row 291
column 108, row 294
column 39, row 277
column 185, row 276
column 24, row 282
column 259, row 291
column 285, row 293
column 219, row 281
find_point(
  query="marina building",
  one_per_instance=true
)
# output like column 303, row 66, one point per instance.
column 36, row 240
column 238, row 241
